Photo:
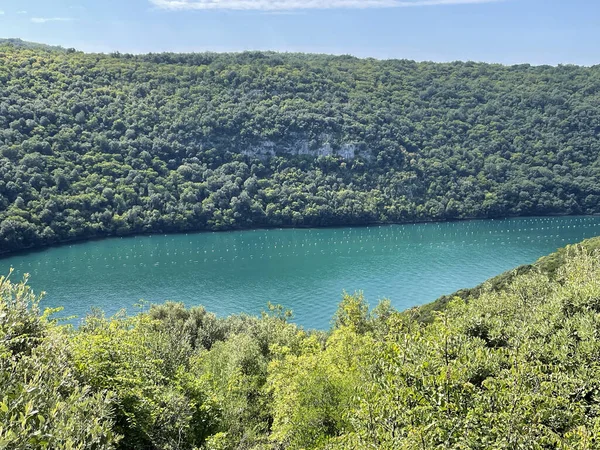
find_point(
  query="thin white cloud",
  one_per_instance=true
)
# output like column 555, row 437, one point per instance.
column 51, row 19
column 284, row 13
column 286, row 5
column 21, row 12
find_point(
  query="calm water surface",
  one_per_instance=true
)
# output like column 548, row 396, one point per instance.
column 304, row 270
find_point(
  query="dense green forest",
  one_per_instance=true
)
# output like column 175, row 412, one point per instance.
column 511, row 364
column 95, row 145
column 20, row 43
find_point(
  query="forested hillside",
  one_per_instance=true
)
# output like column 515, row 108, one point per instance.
column 506, row 367
column 20, row 43
column 95, row 145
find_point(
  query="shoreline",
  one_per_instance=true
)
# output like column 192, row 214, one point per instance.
column 84, row 240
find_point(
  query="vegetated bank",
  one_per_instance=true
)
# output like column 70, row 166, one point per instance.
column 512, row 364
column 95, row 145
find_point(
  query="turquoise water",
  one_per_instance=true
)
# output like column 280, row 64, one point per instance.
column 305, row 270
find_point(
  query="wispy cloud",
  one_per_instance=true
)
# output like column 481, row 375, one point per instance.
column 287, row 12
column 287, row 5
column 21, row 12
column 51, row 19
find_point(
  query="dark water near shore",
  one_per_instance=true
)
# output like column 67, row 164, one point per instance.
column 305, row 270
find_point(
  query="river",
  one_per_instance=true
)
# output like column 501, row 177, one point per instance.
column 306, row 270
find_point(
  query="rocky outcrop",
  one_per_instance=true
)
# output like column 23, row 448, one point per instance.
column 301, row 147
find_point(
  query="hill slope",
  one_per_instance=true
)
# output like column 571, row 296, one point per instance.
column 96, row 145
column 20, row 43
column 548, row 265
column 514, row 367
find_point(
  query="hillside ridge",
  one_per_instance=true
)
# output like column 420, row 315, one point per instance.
column 98, row 145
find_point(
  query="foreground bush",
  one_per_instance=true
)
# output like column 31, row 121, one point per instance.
column 514, row 365
column 43, row 404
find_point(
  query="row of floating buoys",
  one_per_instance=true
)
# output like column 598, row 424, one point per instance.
column 353, row 241
column 389, row 236
column 355, row 250
column 222, row 259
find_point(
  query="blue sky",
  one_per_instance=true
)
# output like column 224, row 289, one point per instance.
column 504, row 31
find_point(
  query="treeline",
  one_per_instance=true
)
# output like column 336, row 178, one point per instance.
column 95, row 145
column 515, row 367
column 20, row 43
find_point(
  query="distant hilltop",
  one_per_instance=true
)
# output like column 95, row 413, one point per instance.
column 16, row 42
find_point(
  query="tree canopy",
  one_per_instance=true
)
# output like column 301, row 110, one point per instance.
column 96, row 145
column 511, row 365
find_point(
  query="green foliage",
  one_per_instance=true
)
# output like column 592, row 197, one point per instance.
column 42, row 403
column 182, row 378
column 313, row 391
column 103, row 145
column 514, row 368
column 20, row 43
column 513, row 365
column 548, row 265
column 353, row 312
column 98, row 145
column 157, row 403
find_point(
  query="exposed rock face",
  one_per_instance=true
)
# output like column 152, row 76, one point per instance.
column 301, row 147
